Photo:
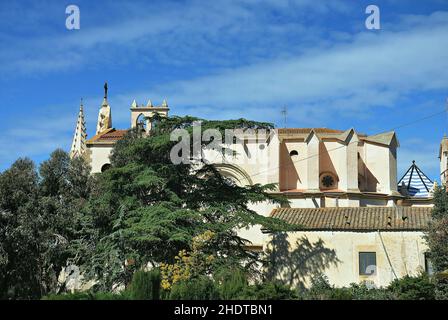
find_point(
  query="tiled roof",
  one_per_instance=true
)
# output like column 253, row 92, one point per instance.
column 110, row 135
column 114, row 135
column 307, row 130
column 322, row 133
column 305, row 191
column 356, row 218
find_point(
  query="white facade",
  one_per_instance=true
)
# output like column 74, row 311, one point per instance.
column 397, row 254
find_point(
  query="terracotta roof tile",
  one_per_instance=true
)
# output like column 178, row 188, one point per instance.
column 307, row 130
column 357, row 218
column 114, row 135
column 108, row 136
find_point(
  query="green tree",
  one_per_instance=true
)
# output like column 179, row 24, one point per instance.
column 233, row 283
column 145, row 285
column 64, row 187
column 36, row 222
column 437, row 238
column 201, row 288
column 145, row 209
column 19, row 273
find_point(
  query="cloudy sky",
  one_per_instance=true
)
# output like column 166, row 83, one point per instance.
column 226, row 59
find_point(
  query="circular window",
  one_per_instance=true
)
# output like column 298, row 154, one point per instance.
column 293, row 153
column 328, row 181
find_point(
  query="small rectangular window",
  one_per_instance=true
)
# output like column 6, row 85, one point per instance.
column 367, row 263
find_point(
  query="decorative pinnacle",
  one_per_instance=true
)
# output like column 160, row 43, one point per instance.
column 134, row 104
column 105, row 90
column 164, row 104
column 149, row 104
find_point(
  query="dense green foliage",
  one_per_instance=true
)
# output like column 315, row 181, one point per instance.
column 204, row 288
column 145, row 285
column 200, row 288
column 437, row 238
column 146, row 209
column 232, row 283
column 89, row 295
column 413, row 288
column 420, row 287
column 37, row 212
column 269, row 290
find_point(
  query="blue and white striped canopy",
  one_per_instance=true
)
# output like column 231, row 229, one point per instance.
column 415, row 183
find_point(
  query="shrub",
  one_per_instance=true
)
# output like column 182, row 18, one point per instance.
column 201, row 288
column 87, row 295
column 233, row 283
column 319, row 290
column 413, row 288
column 69, row 296
column 145, row 285
column 273, row 290
column 322, row 290
column 363, row 292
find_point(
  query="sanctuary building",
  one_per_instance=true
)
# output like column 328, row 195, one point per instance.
column 342, row 186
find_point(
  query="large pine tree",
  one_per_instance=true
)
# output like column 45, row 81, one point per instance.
column 145, row 209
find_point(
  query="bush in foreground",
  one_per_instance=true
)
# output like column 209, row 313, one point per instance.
column 145, row 285
column 87, row 295
column 201, row 288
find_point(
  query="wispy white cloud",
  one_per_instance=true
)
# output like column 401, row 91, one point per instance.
column 165, row 32
column 373, row 70
column 35, row 138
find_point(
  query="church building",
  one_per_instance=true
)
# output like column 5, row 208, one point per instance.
column 342, row 187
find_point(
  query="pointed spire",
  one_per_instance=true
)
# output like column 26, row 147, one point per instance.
column 134, row 104
column 149, row 104
column 79, row 138
column 415, row 183
column 164, row 104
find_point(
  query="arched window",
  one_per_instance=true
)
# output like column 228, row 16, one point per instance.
column 141, row 122
column 294, row 153
column 105, row 167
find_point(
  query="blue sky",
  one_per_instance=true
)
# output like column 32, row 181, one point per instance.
column 226, row 59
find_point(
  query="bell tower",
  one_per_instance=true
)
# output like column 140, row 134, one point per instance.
column 141, row 114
